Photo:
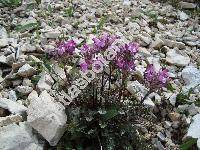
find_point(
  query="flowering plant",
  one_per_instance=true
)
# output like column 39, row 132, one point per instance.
column 105, row 101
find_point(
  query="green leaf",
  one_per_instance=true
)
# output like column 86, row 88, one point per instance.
column 10, row 3
column 50, row 9
column 170, row 87
column 69, row 12
column 101, row 22
column 110, row 114
column 188, row 144
column 29, row 26
column 35, row 79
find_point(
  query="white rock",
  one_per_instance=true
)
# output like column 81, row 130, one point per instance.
column 52, row 34
column 12, row 106
column 28, row 48
column 149, row 103
column 160, row 26
column 45, row 82
column 145, row 40
column 198, row 143
column 47, row 117
column 161, row 136
column 134, row 87
column 127, row 2
column 59, row 73
column 175, row 58
column 33, row 95
column 3, row 42
column 4, row 121
column 12, row 95
column 172, row 99
column 3, row 59
column 27, row 82
column 18, row 137
column 191, row 76
column 194, row 127
column 134, row 27
column 183, row 16
column 26, row 71
column 155, row 61
column 193, row 110
column 173, row 44
column 24, row 89
column 157, row 44
column 186, row 5
column 143, row 51
column 3, row 33
column 139, row 70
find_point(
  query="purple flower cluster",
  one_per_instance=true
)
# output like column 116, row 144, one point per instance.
column 125, row 58
column 156, row 79
column 103, row 42
column 99, row 45
column 66, row 47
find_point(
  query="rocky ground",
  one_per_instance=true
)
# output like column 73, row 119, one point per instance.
column 168, row 36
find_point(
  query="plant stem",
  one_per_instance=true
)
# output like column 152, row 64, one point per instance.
column 148, row 93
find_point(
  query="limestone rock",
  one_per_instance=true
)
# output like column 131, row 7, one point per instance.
column 157, row 44
column 191, row 76
column 45, row 82
column 47, row 117
column 198, row 143
column 18, row 137
column 59, row 74
column 175, row 58
column 3, row 59
column 12, row 95
column 26, row 71
column 3, row 42
column 194, row 128
column 52, row 34
column 12, row 106
column 183, row 16
column 187, row 5
column 24, row 89
column 173, row 44
column 4, row 121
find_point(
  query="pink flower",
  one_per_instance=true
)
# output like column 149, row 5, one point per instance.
column 150, row 73
column 84, row 66
column 163, row 76
column 66, row 47
column 156, row 79
column 125, row 58
column 104, row 41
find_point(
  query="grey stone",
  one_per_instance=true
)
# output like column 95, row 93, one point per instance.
column 194, row 127
column 12, row 106
column 191, row 76
column 26, row 71
column 45, row 82
column 4, row 42
column 47, row 117
column 161, row 136
column 187, row 5
column 4, row 121
column 175, row 58
column 18, row 137
column 157, row 44
column 3, row 33
column 183, row 16
column 24, row 89
column 52, row 34
column 198, row 143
